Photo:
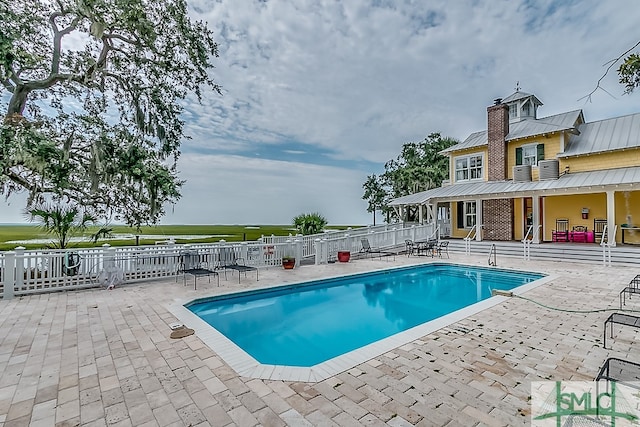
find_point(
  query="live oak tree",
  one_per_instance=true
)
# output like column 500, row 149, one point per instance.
column 628, row 71
column 418, row 167
column 92, row 92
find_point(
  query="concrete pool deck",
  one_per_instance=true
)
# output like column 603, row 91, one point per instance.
column 98, row 357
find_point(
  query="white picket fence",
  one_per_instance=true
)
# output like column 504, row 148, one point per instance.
column 37, row 271
column 309, row 242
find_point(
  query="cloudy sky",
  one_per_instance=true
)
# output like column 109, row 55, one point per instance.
column 319, row 94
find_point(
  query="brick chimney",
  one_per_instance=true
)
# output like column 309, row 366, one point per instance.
column 497, row 130
column 497, row 214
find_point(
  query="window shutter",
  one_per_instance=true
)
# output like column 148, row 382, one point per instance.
column 460, row 214
column 540, row 152
column 519, row 156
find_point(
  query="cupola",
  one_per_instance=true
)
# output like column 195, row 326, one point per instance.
column 522, row 106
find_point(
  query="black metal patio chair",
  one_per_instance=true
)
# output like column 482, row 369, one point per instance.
column 228, row 260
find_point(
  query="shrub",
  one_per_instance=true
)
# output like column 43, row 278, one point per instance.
column 312, row 223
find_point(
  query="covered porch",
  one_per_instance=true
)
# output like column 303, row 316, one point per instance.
column 479, row 209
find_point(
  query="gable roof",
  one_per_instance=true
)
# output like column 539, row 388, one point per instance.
column 516, row 96
column 614, row 134
column 545, row 125
column 524, row 129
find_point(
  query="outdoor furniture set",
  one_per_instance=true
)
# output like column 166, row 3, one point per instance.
column 430, row 247
column 615, row 369
column 578, row 233
column 189, row 263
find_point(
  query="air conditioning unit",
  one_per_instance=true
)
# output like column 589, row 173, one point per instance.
column 549, row 169
column 522, row 173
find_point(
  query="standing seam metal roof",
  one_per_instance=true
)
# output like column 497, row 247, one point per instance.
column 614, row 134
column 523, row 129
column 581, row 182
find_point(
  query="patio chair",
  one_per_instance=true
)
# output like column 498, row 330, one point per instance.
column 561, row 233
column 443, row 247
column 368, row 250
column 598, row 229
column 228, row 260
column 409, row 247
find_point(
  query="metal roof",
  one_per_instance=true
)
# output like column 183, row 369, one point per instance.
column 546, row 125
column 476, row 139
column 516, row 96
column 573, row 183
column 614, row 134
column 524, row 129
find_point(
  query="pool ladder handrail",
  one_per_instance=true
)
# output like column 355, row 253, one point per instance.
column 535, row 235
column 470, row 236
column 606, row 243
column 492, row 252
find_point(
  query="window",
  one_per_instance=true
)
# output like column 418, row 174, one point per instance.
column 462, row 169
column 466, row 214
column 469, row 214
column 529, row 154
column 513, row 111
column 526, row 109
column 469, row 167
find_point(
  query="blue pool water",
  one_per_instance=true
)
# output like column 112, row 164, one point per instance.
column 309, row 323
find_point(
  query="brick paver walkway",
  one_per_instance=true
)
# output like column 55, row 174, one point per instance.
column 104, row 358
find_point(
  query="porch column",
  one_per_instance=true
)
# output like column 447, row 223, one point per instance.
column 535, row 201
column 430, row 215
column 420, row 214
column 401, row 213
column 479, row 219
column 611, row 217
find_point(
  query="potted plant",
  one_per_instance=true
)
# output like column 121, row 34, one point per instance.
column 344, row 256
column 288, row 262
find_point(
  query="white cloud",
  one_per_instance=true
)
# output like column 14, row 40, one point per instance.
column 239, row 190
column 347, row 82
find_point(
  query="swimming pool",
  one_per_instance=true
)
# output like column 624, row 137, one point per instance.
column 313, row 324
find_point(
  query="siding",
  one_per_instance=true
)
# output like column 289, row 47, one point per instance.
column 551, row 150
column 611, row 160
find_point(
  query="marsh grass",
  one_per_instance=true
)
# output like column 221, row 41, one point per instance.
column 231, row 233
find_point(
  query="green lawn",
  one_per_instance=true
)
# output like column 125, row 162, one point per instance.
column 230, row 233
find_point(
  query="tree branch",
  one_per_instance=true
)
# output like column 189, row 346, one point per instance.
column 611, row 63
column 57, row 38
column 124, row 39
column 7, row 84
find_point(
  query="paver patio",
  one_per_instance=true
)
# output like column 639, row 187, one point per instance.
column 104, row 358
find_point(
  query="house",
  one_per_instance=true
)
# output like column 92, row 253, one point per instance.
column 530, row 177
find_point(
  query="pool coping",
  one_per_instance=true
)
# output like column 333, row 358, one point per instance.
column 247, row 366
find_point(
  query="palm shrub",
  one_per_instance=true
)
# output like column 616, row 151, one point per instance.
column 311, row 223
column 64, row 221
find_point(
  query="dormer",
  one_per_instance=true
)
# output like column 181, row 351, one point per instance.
column 522, row 106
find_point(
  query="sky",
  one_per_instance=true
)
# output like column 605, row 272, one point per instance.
column 317, row 95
